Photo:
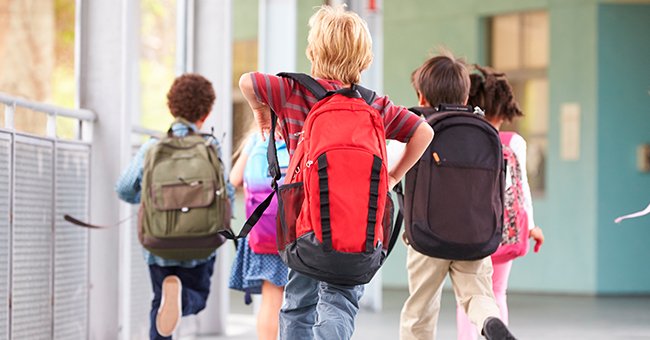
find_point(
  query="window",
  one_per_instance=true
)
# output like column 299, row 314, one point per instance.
column 519, row 46
column 157, row 61
column 37, row 59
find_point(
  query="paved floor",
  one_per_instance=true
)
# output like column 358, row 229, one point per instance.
column 532, row 317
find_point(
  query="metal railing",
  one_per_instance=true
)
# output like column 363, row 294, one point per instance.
column 44, row 261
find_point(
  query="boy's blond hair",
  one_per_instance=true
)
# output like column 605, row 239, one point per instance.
column 339, row 45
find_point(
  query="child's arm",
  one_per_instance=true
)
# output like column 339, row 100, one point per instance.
column 237, row 171
column 413, row 150
column 129, row 184
column 261, row 110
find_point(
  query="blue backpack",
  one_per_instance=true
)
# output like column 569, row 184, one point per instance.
column 257, row 186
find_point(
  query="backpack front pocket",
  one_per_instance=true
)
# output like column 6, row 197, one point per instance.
column 184, row 208
column 290, row 200
column 184, row 194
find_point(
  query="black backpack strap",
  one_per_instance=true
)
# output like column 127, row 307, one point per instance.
column 399, row 220
column 368, row 95
column 274, row 170
column 311, row 84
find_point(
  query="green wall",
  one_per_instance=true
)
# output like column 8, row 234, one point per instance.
column 624, row 123
column 597, row 50
column 245, row 19
column 567, row 262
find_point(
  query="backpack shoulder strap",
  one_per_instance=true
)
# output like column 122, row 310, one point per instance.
column 275, row 171
column 506, row 137
column 311, row 84
column 369, row 96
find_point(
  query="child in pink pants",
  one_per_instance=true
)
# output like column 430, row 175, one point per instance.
column 492, row 92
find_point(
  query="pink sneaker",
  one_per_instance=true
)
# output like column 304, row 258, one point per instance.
column 171, row 306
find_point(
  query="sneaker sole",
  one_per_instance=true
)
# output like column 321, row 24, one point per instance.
column 170, row 311
column 497, row 330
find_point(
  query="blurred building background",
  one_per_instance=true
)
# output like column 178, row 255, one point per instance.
column 578, row 67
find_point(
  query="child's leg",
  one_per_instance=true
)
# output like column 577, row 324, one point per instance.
column 499, row 285
column 337, row 307
column 465, row 329
column 501, row 272
column 196, row 286
column 472, row 282
column 419, row 316
column 268, row 316
column 298, row 314
column 157, row 275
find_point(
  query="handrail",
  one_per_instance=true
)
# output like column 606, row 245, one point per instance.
column 137, row 129
column 51, row 110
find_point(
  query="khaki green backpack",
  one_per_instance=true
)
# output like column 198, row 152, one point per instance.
column 184, row 202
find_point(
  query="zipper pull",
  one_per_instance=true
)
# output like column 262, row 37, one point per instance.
column 309, row 163
column 436, row 158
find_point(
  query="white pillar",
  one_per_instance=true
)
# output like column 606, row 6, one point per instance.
column 373, row 79
column 277, row 36
column 211, row 56
column 105, row 65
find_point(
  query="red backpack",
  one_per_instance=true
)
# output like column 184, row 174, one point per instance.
column 335, row 214
column 515, row 219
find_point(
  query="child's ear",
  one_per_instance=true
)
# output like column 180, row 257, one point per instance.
column 421, row 100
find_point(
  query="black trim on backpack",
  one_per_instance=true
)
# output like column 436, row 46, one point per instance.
column 372, row 203
column 323, row 187
column 454, row 108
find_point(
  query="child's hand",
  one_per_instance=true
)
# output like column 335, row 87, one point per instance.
column 392, row 181
column 537, row 235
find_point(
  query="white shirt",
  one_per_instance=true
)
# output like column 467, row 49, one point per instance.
column 518, row 146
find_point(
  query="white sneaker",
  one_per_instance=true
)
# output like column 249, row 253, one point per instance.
column 171, row 306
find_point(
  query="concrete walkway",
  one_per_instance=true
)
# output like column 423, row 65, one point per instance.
column 552, row 317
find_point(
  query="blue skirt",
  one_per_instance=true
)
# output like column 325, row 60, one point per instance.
column 249, row 270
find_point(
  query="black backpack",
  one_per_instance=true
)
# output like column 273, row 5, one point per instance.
column 453, row 205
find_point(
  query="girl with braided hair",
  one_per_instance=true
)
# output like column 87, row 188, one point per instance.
column 491, row 92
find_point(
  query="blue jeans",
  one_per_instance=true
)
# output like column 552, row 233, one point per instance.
column 318, row 310
column 196, row 287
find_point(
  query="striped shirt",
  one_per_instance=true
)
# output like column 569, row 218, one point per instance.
column 291, row 102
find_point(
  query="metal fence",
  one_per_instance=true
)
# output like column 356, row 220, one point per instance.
column 43, row 259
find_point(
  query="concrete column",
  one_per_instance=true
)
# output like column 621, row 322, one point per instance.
column 211, row 56
column 277, row 36
column 106, row 64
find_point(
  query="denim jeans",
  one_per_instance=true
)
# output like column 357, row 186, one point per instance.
column 318, row 310
column 196, row 287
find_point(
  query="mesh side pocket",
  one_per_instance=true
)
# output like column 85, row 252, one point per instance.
column 387, row 221
column 290, row 199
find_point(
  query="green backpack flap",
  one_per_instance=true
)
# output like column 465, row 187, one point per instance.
column 184, row 202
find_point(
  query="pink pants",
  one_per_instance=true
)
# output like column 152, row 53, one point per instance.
column 466, row 330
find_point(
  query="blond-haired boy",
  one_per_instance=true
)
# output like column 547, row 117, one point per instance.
column 339, row 48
